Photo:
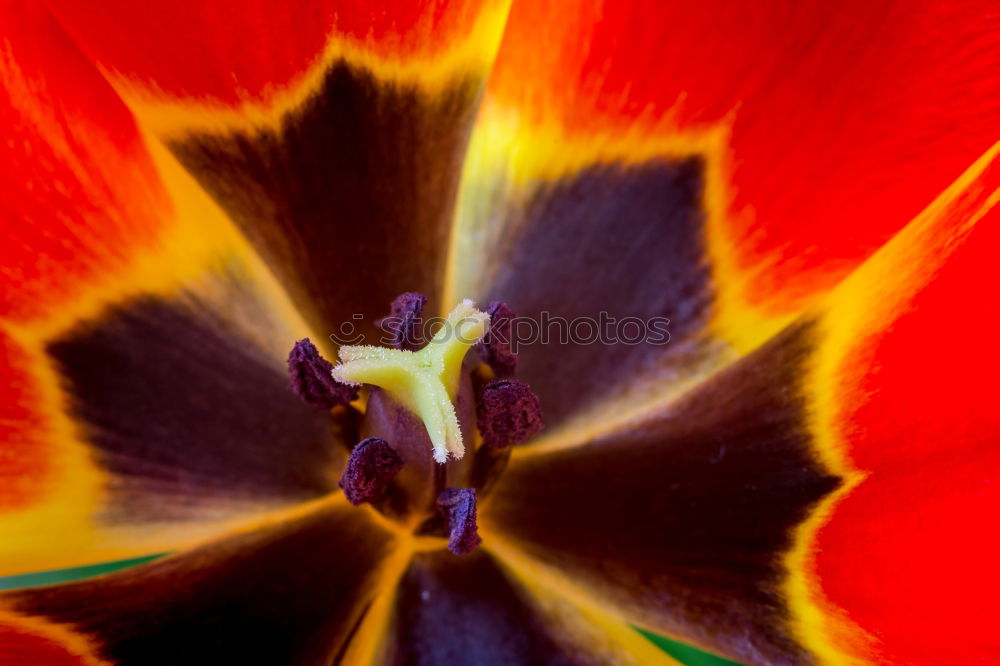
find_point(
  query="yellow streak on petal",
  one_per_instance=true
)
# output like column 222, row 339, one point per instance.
column 550, row 580
column 367, row 645
column 867, row 301
column 591, row 627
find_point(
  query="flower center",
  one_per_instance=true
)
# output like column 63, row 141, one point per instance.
column 426, row 381
column 436, row 427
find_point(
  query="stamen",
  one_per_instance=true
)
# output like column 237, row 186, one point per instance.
column 426, row 381
column 370, row 467
column 458, row 506
column 402, row 321
column 495, row 348
column 312, row 380
column 508, row 413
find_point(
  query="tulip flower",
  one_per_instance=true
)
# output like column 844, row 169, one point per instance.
column 717, row 359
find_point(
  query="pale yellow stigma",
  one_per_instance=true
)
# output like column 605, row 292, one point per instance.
column 425, row 382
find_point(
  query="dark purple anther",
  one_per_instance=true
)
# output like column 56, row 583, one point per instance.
column 403, row 321
column 458, row 506
column 370, row 467
column 508, row 413
column 311, row 378
column 495, row 347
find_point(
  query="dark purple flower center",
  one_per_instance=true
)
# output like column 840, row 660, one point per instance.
column 392, row 467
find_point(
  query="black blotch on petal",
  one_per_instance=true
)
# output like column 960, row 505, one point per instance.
column 184, row 411
column 465, row 611
column 691, row 543
column 350, row 199
column 607, row 270
column 286, row 593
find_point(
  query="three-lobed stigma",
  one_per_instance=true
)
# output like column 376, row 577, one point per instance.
column 424, row 381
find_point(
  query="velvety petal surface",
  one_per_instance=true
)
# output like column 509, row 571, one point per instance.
column 466, row 610
column 331, row 133
column 803, row 504
column 287, row 592
column 826, row 127
column 132, row 316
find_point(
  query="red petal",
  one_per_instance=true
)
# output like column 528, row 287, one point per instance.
column 240, row 51
column 882, row 387
column 908, row 556
column 845, row 119
column 38, row 643
column 79, row 192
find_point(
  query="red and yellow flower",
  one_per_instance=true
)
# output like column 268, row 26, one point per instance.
column 808, row 191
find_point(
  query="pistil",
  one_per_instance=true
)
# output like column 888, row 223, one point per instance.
column 426, row 381
column 411, row 464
